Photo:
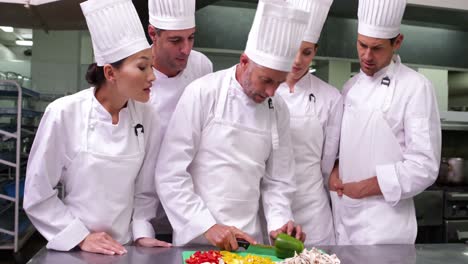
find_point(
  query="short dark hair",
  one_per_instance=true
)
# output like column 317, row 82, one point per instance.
column 159, row 31
column 392, row 40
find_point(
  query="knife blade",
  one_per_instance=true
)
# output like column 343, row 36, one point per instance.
column 259, row 249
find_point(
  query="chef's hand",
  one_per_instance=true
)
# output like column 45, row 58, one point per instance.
column 334, row 183
column 362, row 189
column 224, row 237
column 152, row 242
column 102, row 243
column 290, row 229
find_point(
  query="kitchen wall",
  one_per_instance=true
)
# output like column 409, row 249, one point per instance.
column 60, row 58
column 13, row 59
column 439, row 79
column 57, row 61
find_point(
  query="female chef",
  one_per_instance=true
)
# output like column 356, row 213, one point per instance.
column 100, row 144
column 314, row 108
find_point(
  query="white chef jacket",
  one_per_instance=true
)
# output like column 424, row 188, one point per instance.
column 413, row 116
column 183, row 204
column 165, row 94
column 328, row 107
column 166, row 91
column 57, row 143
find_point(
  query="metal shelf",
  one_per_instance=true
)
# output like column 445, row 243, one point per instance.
column 13, row 111
column 454, row 120
column 9, row 90
column 22, row 239
column 26, row 229
column 454, row 126
column 15, row 227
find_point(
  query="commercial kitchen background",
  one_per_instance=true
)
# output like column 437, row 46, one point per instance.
column 436, row 44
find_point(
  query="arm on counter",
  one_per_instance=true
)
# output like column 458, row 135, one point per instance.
column 185, row 209
column 47, row 159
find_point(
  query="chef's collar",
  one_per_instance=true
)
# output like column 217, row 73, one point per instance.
column 100, row 113
column 234, row 81
column 303, row 82
column 161, row 76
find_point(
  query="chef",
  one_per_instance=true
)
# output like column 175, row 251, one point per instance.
column 229, row 142
column 99, row 144
column 175, row 64
column 172, row 30
column 315, row 109
column 390, row 136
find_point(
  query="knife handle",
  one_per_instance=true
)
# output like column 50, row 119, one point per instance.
column 242, row 243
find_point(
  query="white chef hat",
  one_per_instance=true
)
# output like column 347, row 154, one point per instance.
column 380, row 18
column 276, row 34
column 115, row 28
column 172, row 14
column 318, row 14
column 318, row 10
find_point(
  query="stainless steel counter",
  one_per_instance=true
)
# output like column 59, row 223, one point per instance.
column 382, row 254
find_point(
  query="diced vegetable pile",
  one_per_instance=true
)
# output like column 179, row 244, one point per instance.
column 225, row 257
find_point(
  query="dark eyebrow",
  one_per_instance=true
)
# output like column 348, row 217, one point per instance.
column 362, row 44
column 372, row 47
column 265, row 78
column 175, row 37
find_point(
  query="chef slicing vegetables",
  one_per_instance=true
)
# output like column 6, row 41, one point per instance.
column 230, row 142
column 287, row 250
column 315, row 109
column 390, row 136
column 99, row 143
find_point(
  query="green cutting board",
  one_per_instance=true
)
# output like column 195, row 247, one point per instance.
column 187, row 254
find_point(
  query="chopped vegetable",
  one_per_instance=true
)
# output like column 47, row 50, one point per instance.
column 205, row 257
column 286, row 246
column 232, row 258
column 313, row 256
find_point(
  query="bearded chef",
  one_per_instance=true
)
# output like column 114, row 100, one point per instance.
column 229, row 142
column 390, row 136
column 315, row 109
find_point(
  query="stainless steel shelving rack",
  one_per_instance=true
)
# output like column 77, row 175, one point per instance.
column 15, row 234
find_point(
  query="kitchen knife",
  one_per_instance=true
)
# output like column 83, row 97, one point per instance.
column 259, row 249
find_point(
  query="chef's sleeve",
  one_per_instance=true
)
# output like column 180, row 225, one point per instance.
column 186, row 210
column 46, row 163
column 421, row 155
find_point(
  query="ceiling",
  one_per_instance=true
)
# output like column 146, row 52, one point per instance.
column 66, row 15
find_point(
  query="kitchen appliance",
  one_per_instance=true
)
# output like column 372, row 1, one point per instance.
column 456, row 216
column 442, row 214
column 429, row 207
column 451, row 171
